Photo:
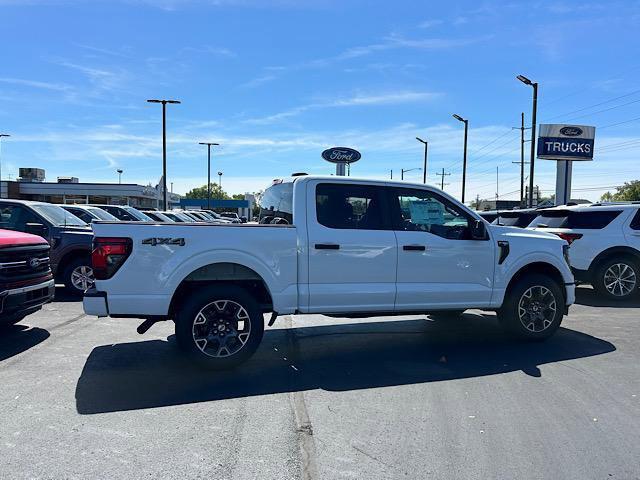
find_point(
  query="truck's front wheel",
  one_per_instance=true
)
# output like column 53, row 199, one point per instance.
column 219, row 326
column 533, row 308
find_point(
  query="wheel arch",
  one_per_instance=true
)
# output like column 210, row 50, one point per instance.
column 611, row 252
column 540, row 267
column 223, row 273
column 68, row 257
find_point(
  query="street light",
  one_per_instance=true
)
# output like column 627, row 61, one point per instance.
column 119, row 175
column 220, row 183
column 164, row 146
column 403, row 171
column 208, row 144
column 1, row 136
column 424, row 168
column 464, row 158
column 526, row 81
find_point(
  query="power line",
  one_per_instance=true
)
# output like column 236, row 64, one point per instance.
column 604, row 110
column 594, row 105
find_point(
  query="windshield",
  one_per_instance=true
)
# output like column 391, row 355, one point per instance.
column 58, row 216
column 101, row 214
column 137, row 214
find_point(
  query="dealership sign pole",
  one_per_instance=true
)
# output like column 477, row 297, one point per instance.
column 341, row 156
column 565, row 144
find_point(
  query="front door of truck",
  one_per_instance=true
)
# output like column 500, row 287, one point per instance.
column 439, row 265
column 352, row 249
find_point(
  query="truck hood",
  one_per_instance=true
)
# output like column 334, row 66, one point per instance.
column 515, row 234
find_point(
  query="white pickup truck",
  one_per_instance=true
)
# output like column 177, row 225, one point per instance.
column 330, row 245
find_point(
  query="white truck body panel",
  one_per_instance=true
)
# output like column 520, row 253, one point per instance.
column 369, row 273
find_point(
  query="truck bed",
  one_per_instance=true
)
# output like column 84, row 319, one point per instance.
column 159, row 261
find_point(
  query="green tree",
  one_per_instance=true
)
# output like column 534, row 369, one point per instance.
column 238, row 196
column 201, row 192
column 607, row 197
column 628, row 192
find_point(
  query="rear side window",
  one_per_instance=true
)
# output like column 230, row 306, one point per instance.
column 514, row 219
column 349, row 206
column 593, row 220
column 635, row 223
column 276, row 204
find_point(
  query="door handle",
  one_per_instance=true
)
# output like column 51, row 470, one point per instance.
column 327, row 246
column 420, row 248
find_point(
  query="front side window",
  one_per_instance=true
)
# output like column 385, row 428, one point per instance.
column 422, row 210
column 349, row 206
column 14, row 217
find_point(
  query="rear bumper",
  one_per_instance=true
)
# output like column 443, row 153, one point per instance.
column 25, row 300
column 95, row 303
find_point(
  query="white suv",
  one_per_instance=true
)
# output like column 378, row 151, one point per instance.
column 604, row 243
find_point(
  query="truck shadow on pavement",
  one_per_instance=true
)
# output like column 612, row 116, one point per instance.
column 15, row 339
column 154, row 373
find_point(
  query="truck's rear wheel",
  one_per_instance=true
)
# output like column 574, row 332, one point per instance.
column 533, row 308
column 220, row 326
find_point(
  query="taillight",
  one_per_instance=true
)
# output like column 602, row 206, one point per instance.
column 108, row 255
column 569, row 237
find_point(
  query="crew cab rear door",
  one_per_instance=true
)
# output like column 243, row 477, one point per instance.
column 352, row 249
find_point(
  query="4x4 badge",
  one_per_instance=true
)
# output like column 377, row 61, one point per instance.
column 163, row 241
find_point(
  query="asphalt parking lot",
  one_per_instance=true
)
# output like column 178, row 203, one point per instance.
column 403, row 397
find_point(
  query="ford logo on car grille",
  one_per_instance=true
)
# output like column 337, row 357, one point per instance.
column 570, row 131
column 34, row 262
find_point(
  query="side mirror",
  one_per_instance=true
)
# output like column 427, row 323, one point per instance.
column 36, row 229
column 478, row 230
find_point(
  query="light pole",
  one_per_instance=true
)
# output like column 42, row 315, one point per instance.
column 464, row 158
column 208, row 144
column 220, row 183
column 403, row 171
column 119, row 171
column 424, row 168
column 6, row 135
column 526, row 81
column 164, row 146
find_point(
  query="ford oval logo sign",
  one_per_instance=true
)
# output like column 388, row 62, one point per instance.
column 341, row 155
column 570, row 131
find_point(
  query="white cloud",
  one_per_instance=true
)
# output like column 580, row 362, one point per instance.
column 389, row 98
column 59, row 87
column 430, row 23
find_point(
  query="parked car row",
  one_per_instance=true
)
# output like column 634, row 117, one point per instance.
column 604, row 240
column 66, row 228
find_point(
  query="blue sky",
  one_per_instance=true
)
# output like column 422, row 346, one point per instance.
column 276, row 82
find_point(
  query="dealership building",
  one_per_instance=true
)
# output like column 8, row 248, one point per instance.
column 65, row 190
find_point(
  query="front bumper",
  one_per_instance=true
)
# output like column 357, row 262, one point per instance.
column 95, row 303
column 25, row 300
column 570, row 289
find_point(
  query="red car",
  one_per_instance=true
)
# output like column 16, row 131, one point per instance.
column 26, row 281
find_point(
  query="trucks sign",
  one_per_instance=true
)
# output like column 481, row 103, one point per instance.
column 566, row 142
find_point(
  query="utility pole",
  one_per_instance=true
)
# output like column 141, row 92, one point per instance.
column 424, row 166
column 534, row 112
column 497, row 185
column 164, row 146
column 405, row 170
column 522, row 163
column 442, row 184
column 208, row 144
column 391, row 174
column 220, row 183
column 2, row 135
column 464, row 158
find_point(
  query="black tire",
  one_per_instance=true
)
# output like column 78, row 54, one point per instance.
column 533, row 321
column 67, row 274
column 220, row 324
column 446, row 315
column 624, row 289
